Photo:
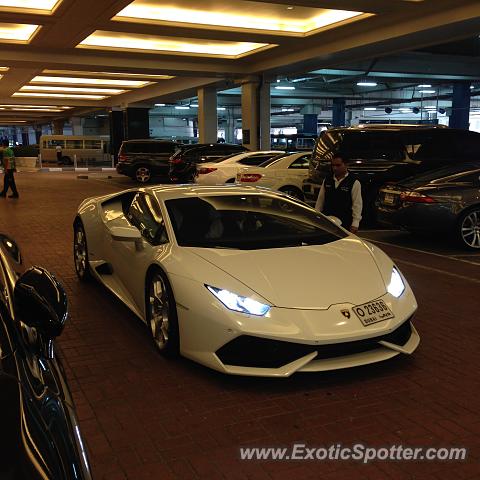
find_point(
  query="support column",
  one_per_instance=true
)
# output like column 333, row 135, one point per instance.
column 250, row 115
column 207, row 115
column 38, row 134
column 25, row 140
column 265, row 115
column 460, row 106
column 310, row 123
column 338, row 112
column 57, row 127
column 136, row 123
column 116, row 131
column 230, row 126
column 77, row 125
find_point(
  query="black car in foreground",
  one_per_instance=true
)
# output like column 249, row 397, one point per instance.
column 378, row 154
column 442, row 201
column 39, row 433
column 183, row 165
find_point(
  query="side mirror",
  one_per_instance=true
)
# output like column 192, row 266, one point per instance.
column 335, row 220
column 125, row 234
column 40, row 302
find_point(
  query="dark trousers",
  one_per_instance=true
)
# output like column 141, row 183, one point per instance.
column 9, row 182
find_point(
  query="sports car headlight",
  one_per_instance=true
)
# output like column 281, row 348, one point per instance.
column 396, row 286
column 239, row 304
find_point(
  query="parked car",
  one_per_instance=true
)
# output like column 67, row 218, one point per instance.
column 442, row 201
column 225, row 170
column 205, row 266
column 183, row 165
column 388, row 153
column 142, row 160
column 285, row 174
column 40, row 437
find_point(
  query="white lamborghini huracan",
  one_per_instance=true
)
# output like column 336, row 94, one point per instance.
column 244, row 280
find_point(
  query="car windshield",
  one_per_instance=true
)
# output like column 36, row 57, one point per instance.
column 248, row 222
column 439, row 174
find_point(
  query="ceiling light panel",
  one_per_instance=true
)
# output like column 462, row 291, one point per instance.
column 134, row 42
column 91, row 81
column 282, row 19
column 59, row 95
column 32, row 107
column 46, row 88
column 17, row 32
column 109, row 74
column 26, row 6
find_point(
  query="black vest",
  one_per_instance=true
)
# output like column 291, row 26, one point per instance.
column 338, row 201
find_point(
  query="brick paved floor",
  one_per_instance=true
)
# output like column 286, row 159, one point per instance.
column 144, row 417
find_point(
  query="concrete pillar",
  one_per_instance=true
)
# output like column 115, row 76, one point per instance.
column 38, row 134
column 310, row 123
column 117, row 131
column 250, row 115
column 77, row 125
column 207, row 115
column 25, row 140
column 230, row 126
column 338, row 112
column 136, row 123
column 460, row 106
column 265, row 115
column 57, row 126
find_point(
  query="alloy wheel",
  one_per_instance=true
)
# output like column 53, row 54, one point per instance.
column 159, row 308
column 470, row 229
column 80, row 252
column 142, row 174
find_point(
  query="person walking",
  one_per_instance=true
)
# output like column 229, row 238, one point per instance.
column 9, row 170
column 341, row 195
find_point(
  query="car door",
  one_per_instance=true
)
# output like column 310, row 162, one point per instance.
column 130, row 260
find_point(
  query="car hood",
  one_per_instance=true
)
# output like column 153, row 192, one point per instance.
column 307, row 277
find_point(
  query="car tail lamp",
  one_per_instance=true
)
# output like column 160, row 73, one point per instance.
column 122, row 158
column 250, row 177
column 205, row 170
column 175, row 160
column 416, row 197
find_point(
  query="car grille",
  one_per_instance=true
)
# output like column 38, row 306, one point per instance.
column 249, row 351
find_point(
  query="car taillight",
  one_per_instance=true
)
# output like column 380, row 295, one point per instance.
column 175, row 160
column 122, row 158
column 205, row 170
column 250, row 177
column 415, row 197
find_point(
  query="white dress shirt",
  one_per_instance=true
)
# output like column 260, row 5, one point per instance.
column 357, row 203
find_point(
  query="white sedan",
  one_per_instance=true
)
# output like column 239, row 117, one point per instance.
column 245, row 281
column 285, row 174
column 225, row 170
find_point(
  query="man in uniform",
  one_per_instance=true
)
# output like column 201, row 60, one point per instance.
column 341, row 195
column 9, row 169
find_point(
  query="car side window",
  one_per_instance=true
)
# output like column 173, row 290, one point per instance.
column 301, row 162
column 255, row 160
column 144, row 213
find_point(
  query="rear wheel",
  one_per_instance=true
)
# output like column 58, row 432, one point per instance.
column 468, row 229
column 80, row 252
column 161, row 313
column 143, row 174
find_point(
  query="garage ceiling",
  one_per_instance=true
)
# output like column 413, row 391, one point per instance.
column 70, row 55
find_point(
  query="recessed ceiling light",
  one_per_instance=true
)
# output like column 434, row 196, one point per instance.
column 108, row 74
column 426, row 91
column 366, row 84
column 34, row 106
column 17, row 32
column 288, row 109
column 370, row 108
column 270, row 17
column 45, row 88
column 38, row 6
column 181, row 107
column 159, row 104
column 17, row 109
column 104, row 40
column 221, row 108
column 424, row 86
column 90, row 81
column 59, row 95
column 284, row 88
column 4, row 69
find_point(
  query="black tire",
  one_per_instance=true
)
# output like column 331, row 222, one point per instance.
column 67, row 161
column 293, row 192
column 468, row 229
column 80, row 252
column 142, row 174
column 161, row 313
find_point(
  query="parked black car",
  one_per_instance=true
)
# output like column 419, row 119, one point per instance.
column 441, row 201
column 39, row 434
column 144, row 159
column 388, row 153
column 183, row 165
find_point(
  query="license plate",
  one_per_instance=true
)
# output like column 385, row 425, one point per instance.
column 389, row 199
column 373, row 312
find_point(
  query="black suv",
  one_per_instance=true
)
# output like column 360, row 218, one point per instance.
column 183, row 165
column 144, row 159
column 386, row 153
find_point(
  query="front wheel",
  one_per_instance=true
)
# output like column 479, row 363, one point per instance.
column 161, row 313
column 468, row 229
column 80, row 252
